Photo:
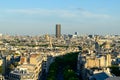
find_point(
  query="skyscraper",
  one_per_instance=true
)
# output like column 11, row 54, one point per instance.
column 58, row 30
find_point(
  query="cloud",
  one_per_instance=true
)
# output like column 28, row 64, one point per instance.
column 93, row 15
column 62, row 13
column 42, row 12
column 88, row 14
column 80, row 9
column 29, row 11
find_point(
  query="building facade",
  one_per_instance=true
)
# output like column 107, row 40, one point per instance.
column 30, row 68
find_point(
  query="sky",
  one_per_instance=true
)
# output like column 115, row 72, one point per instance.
column 34, row 17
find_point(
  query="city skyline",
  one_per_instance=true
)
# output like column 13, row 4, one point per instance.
column 40, row 17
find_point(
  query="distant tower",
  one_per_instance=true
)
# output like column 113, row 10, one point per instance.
column 76, row 33
column 28, row 58
column 4, row 65
column 96, row 38
column 50, row 42
column 47, row 37
column 108, row 60
column 58, row 30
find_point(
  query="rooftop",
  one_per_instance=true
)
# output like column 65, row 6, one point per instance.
column 113, row 78
column 34, row 55
column 100, row 76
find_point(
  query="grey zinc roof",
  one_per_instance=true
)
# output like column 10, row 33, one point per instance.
column 113, row 78
column 100, row 76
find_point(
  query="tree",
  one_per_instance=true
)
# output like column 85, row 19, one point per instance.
column 115, row 70
column 69, row 74
column 11, row 67
column 72, row 78
column 68, row 64
column 0, row 69
column 15, row 64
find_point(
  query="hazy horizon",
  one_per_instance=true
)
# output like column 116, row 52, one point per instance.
column 29, row 17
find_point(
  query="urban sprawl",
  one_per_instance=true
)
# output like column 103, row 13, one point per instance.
column 30, row 57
